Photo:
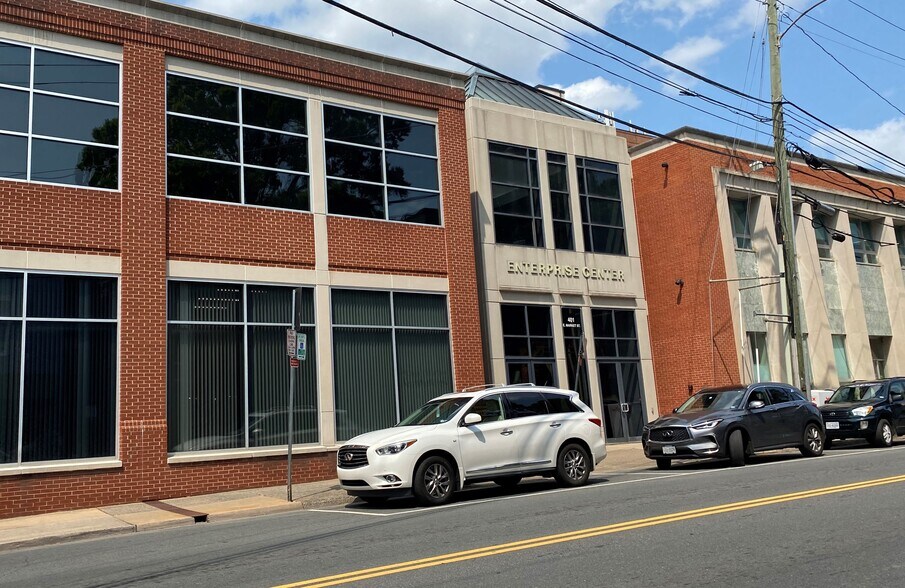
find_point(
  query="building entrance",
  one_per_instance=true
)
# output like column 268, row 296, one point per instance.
column 620, row 392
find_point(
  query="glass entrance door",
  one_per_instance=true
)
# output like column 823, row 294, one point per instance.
column 620, row 392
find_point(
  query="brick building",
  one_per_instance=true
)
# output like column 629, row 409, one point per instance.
column 168, row 177
column 706, row 225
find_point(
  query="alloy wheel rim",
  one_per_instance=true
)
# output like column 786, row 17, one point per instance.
column 574, row 464
column 814, row 438
column 887, row 434
column 436, row 479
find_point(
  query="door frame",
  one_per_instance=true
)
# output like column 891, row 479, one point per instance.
column 621, row 393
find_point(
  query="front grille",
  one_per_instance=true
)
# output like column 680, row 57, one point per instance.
column 354, row 483
column 667, row 434
column 835, row 415
column 350, row 457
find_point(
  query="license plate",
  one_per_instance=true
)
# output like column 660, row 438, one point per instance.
column 830, row 425
column 669, row 450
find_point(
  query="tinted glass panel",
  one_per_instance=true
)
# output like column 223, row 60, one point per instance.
column 13, row 157
column 15, row 63
column 65, row 163
column 511, row 200
column 202, row 98
column 52, row 296
column 778, row 395
column 559, row 403
column 605, row 212
column 356, row 163
column 413, row 206
column 516, row 346
column 271, row 111
column 524, row 404
column 10, row 358
column 275, row 150
column 562, row 235
column 513, row 229
column 490, row 408
column 199, row 138
column 625, row 323
column 541, row 347
column 513, row 319
column 202, row 301
column 559, row 179
column 560, row 205
column 510, row 170
column 539, row 321
column 607, row 240
column 602, row 184
column 407, row 135
column 10, row 294
column 276, row 189
column 351, row 126
column 410, row 170
column 76, row 119
column 511, row 149
column 202, row 179
column 13, row 110
column 354, row 199
column 361, row 307
column 68, row 74
column 269, row 304
column 420, row 310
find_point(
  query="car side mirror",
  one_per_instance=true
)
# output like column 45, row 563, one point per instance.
column 472, row 418
column 755, row 404
column 675, row 410
column 896, row 397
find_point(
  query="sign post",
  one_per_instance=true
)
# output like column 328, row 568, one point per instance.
column 297, row 350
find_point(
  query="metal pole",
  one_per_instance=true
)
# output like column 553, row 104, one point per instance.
column 793, row 284
column 289, row 424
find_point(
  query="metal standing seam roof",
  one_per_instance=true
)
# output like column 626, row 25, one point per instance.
column 498, row 90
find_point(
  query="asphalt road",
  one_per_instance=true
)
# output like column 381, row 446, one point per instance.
column 784, row 520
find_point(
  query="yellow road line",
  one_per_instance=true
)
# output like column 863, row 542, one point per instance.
column 542, row 541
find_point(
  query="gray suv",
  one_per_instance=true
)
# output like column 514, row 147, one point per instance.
column 733, row 422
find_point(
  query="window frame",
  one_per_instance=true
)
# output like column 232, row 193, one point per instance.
column 30, row 136
column 821, row 230
column 383, row 151
column 536, row 217
column 241, row 126
column 584, row 200
column 742, row 241
column 840, row 338
column 530, row 360
column 568, row 196
column 23, row 318
column 900, row 243
column 865, row 247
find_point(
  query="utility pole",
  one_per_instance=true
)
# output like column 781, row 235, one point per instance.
column 790, row 258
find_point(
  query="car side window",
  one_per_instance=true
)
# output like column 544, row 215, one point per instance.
column 897, row 388
column 759, row 394
column 779, row 395
column 490, row 408
column 525, row 404
column 558, row 403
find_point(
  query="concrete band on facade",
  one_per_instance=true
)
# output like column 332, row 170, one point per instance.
column 146, row 240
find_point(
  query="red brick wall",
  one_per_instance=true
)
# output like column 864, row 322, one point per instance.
column 146, row 229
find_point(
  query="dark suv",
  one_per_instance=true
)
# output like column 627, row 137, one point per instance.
column 873, row 410
column 733, row 422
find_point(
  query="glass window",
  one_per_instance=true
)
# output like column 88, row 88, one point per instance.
column 525, row 404
column 863, row 241
column 226, row 350
column 254, row 155
column 614, row 333
column 779, row 395
column 757, row 353
column 558, row 176
column 576, row 353
column 900, row 242
column 67, row 115
column 879, row 351
column 381, row 167
column 67, row 391
column 601, row 207
column 821, row 226
column 490, row 408
column 528, row 344
column 517, row 217
column 558, row 403
column 741, row 222
column 841, row 357
column 391, row 354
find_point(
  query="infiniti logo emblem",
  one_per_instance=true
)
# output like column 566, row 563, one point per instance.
column 667, row 433
column 348, row 457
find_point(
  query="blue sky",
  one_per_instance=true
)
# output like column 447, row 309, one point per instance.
column 722, row 39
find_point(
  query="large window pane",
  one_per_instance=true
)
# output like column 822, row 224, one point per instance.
column 605, row 212
column 271, row 111
column 355, row 163
column 13, row 110
column 361, row 307
column 201, row 138
column 66, row 296
column 515, row 230
column 354, row 199
column 411, row 170
column 512, row 199
column 351, row 126
column 203, row 179
column 202, row 301
column 276, row 189
column 10, row 294
column 413, row 206
column 408, row 135
column 276, row 150
column 76, row 119
column 81, row 165
column 202, row 98
column 10, row 357
column 15, row 64
column 78, row 76
column 841, row 357
column 420, row 310
column 510, row 170
column 602, row 183
column 13, row 157
column 425, row 367
column 363, row 380
column 205, row 391
column 70, row 391
column 273, row 304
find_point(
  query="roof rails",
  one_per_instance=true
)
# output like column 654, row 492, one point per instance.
column 484, row 386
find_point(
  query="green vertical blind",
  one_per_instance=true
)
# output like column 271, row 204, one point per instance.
column 391, row 354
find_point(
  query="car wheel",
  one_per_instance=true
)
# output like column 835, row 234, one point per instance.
column 736, row 448
column 573, row 466
column 664, row 463
column 433, row 484
column 812, row 443
column 374, row 500
column 507, row 481
column 883, row 438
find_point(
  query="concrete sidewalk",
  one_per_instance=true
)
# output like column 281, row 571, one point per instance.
column 64, row 526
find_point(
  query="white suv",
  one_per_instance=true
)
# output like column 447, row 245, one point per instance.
column 500, row 434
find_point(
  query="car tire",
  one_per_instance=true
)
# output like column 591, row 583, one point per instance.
column 812, row 442
column 507, row 481
column 736, row 449
column 374, row 500
column 573, row 465
column 883, row 437
column 434, row 481
column 664, row 463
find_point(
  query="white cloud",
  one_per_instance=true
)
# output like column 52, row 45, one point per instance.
column 601, row 94
column 753, row 13
column 685, row 10
column 693, row 52
column 885, row 137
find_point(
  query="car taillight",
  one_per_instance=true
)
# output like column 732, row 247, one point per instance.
column 596, row 421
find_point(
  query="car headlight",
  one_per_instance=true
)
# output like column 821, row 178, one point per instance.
column 706, row 425
column 394, row 448
column 862, row 411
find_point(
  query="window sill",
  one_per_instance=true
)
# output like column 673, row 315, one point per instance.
column 199, row 456
column 46, row 467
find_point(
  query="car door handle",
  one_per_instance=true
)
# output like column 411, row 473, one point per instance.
column 506, row 432
column 555, row 425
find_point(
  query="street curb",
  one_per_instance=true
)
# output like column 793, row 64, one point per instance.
column 54, row 539
column 253, row 512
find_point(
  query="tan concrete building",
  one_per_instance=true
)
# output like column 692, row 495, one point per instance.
column 559, row 267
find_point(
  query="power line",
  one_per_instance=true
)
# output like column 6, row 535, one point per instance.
column 878, row 16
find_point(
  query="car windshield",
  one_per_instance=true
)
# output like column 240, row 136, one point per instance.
column 434, row 412
column 858, row 392
column 710, row 401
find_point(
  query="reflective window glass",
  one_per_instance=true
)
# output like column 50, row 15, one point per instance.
column 76, row 119
column 77, row 76
column 191, row 178
column 354, row 199
column 601, row 207
column 70, row 163
column 516, row 195
column 413, row 206
column 272, row 111
column 202, row 98
column 10, row 294
column 275, row 150
column 13, row 157
column 354, row 163
column 351, row 126
column 68, row 296
column 276, row 189
column 15, row 64
column 525, row 404
column 200, row 138
column 13, row 110
column 411, row 170
column 407, row 135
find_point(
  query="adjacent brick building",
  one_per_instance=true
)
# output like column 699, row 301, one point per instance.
column 168, row 178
